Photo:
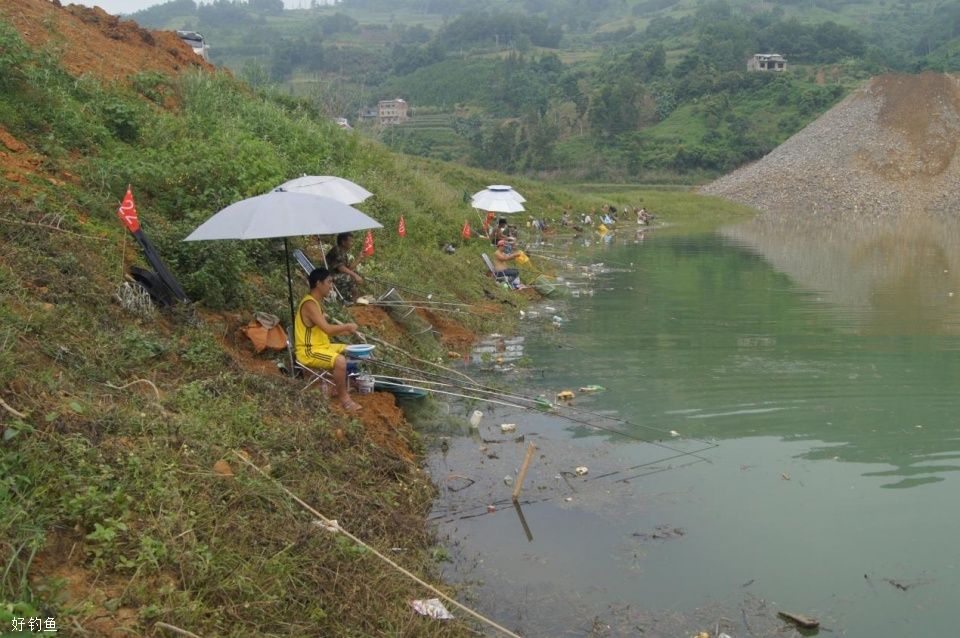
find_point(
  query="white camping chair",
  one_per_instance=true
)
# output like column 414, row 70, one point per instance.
column 493, row 272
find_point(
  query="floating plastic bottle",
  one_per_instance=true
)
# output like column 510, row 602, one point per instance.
column 592, row 388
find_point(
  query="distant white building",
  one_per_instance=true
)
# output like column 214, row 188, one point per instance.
column 767, row 62
column 392, row 111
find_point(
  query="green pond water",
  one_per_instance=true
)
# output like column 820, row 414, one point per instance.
column 810, row 381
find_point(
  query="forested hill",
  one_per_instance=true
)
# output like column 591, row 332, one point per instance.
column 581, row 89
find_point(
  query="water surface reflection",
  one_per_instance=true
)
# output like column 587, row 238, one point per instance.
column 824, row 364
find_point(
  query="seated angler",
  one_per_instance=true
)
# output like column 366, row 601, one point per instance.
column 501, row 259
column 312, row 333
column 342, row 267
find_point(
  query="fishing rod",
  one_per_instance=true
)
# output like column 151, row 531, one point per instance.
column 427, row 302
column 537, row 402
column 420, row 302
column 536, row 253
column 422, row 293
column 480, row 388
column 461, row 396
column 459, row 311
column 410, row 356
column 580, row 421
column 451, row 513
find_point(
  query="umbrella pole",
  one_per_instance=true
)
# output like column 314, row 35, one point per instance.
column 293, row 324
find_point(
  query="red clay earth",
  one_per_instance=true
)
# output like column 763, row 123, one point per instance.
column 92, row 41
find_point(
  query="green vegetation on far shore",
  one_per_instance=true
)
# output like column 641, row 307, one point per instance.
column 644, row 90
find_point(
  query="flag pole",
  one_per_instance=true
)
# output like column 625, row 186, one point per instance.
column 293, row 324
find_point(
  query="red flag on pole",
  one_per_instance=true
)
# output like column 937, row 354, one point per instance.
column 402, row 229
column 128, row 212
column 466, row 230
column 368, row 244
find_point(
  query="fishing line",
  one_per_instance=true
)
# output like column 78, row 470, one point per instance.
column 415, row 306
column 424, row 302
column 451, row 514
column 424, row 293
column 477, row 387
column 573, row 419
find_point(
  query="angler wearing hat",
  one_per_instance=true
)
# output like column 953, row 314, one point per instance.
column 501, row 264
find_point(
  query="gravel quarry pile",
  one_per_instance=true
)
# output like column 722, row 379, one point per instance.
column 888, row 149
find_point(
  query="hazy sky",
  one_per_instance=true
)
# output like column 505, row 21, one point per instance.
column 129, row 6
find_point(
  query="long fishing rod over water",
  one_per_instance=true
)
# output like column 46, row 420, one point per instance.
column 538, row 404
column 405, row 288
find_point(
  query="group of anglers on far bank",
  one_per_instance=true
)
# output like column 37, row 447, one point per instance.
column 313, row 347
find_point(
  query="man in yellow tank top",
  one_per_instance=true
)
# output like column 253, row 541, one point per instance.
column 312, row 334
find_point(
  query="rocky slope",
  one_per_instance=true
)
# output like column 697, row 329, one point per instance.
column 888, row 149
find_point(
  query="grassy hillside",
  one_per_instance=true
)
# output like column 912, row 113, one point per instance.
column 125, row 499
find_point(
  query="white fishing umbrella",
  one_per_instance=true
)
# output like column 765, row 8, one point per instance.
column 338, row 188
column 499, row 201
column 283, row 214
column 502, row 188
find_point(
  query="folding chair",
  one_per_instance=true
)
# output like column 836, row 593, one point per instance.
column 493, row 272
column 304, row 261
column 307, row 267
column 313, row 374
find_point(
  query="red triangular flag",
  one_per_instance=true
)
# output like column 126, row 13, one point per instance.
column 128, row 212
column 466, row 230
column 368, row 244
column 402, row 229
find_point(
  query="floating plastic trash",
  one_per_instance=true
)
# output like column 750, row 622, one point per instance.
column 542, row 403
column 557, row 319
column 565, row 395
column 508, row 427
column 475, row 418
column 508, row 480
column 583, row 470
column 491, row 509
column 674, row 433
column 330, row 525
column 592, row 388
column 431, row 607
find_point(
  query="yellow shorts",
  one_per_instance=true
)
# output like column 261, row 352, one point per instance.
column 322, row 357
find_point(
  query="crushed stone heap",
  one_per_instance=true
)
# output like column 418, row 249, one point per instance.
column 888, row 149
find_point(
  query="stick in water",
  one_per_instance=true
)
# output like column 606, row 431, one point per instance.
column 531, row 448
